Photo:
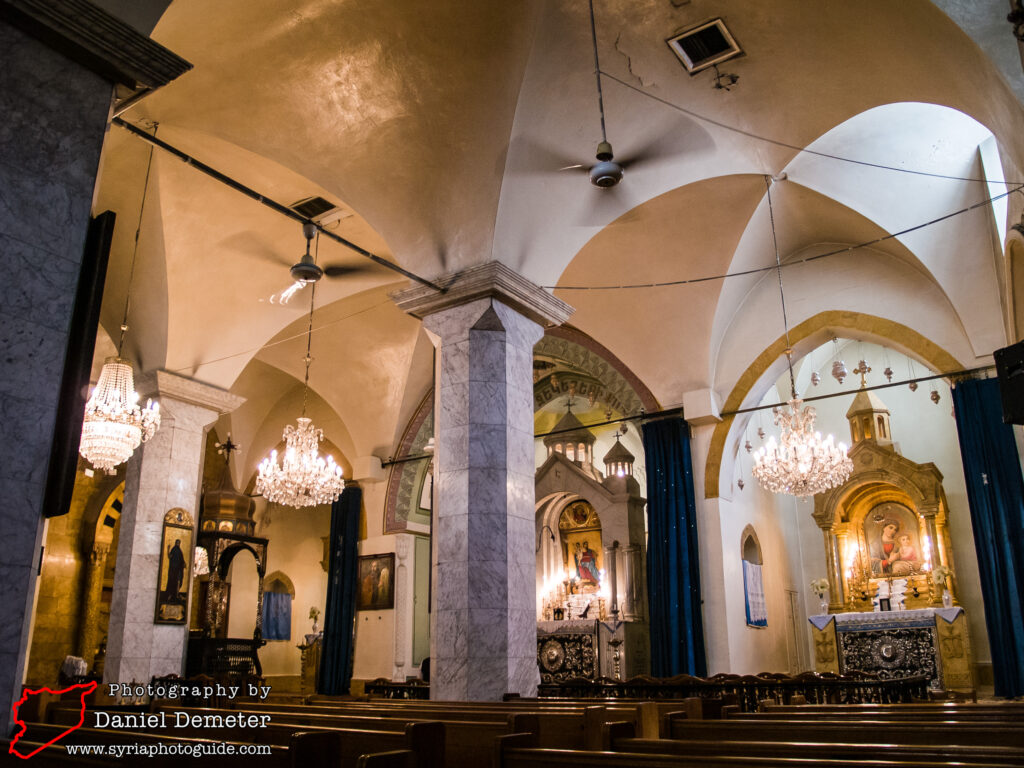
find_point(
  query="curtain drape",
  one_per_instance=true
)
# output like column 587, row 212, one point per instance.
column 340, row 612
column 995, row 492
column 673, row 560
column 277, row 616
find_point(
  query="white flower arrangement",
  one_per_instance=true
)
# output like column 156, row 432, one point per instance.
column 941, row 575
column 820, row 586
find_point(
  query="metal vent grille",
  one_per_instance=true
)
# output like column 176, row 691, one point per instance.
column 313, row 207
column 704, row 46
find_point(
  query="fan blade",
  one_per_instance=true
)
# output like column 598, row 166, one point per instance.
column 684, row 138
column 341, row 270
column 252, row 245
column 531, row 156
column 286, row 295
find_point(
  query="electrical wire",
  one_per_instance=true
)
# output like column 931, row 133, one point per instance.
column 253, row 350
column 794, row 262
column 795, row 147
column 135, row 250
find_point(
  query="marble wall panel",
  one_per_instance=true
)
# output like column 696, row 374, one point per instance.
column 37, row 286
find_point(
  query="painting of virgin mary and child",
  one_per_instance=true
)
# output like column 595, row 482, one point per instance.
column 892, row 537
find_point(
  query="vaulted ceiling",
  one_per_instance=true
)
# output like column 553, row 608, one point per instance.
column 440, row 129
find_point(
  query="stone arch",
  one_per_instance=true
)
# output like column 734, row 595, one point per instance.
column 804, row 337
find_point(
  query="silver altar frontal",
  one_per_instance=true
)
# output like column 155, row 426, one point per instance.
column 588, row 649
column 932, row 642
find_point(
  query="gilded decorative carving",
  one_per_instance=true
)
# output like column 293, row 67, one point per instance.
column 955, row 652
column 826, row 656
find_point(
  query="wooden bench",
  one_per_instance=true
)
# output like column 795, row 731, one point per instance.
column 297, row 745
column 1008, row 711
column 845, row 731
column 618, row 737
column 519, row 751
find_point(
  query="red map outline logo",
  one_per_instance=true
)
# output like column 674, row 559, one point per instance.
column 87, row 688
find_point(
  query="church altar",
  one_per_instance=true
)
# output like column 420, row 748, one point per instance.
column 589, row 649
column 932, row 642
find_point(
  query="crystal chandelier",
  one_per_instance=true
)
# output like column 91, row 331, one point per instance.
column 114, row 424
column 303, row 478
column 801, row 463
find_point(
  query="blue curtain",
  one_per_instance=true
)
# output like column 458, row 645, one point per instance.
column 277, row 616
column 673, row 560
column 995, row 492
column 340, row 612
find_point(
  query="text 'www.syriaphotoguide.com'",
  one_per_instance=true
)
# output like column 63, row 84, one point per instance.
column 159, row 749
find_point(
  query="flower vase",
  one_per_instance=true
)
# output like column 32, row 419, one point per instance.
column 823, row 606
column 316, row 627
column 947, row 599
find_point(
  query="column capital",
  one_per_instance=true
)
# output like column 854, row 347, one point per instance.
column 490, row 280
column 160, row 383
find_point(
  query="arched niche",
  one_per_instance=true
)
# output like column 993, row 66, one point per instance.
column 752, row 563
column 750, row 546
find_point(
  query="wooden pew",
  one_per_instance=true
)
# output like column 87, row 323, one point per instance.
column 1008, row 711
column 618, row 737
column 519, row 751
column 845, row 731
column 41, row 733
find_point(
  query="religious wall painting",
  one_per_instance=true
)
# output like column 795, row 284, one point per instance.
column 376, row 582
column 580, row 531
column 175, row 567
column 892, row 534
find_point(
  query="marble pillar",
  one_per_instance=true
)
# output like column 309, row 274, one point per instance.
column 162, row 474
column 56, row 88
column 483, row 623
column 92, row 596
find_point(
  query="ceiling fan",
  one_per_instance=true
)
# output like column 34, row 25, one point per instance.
column 306, row 271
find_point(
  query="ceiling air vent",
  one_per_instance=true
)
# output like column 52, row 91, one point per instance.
column 704, row 46
column 314, row 208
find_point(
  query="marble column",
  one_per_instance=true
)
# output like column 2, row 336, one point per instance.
column 92, row 595
column 60, row 61
column 163, row 474
column 483, row 623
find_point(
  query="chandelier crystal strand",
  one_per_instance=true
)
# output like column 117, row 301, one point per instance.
column 801, row 463
column 114, row 425
column 303, row 478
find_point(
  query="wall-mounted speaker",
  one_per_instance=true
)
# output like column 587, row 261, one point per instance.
column 1010, row 370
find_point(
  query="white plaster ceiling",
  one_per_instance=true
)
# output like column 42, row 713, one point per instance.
column 441, row 128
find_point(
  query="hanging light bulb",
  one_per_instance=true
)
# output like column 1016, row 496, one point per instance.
column 748, row 446
column 815, row 378
column 114, row 424
column 839, row 371
column 888, row 373
column 934, row 395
